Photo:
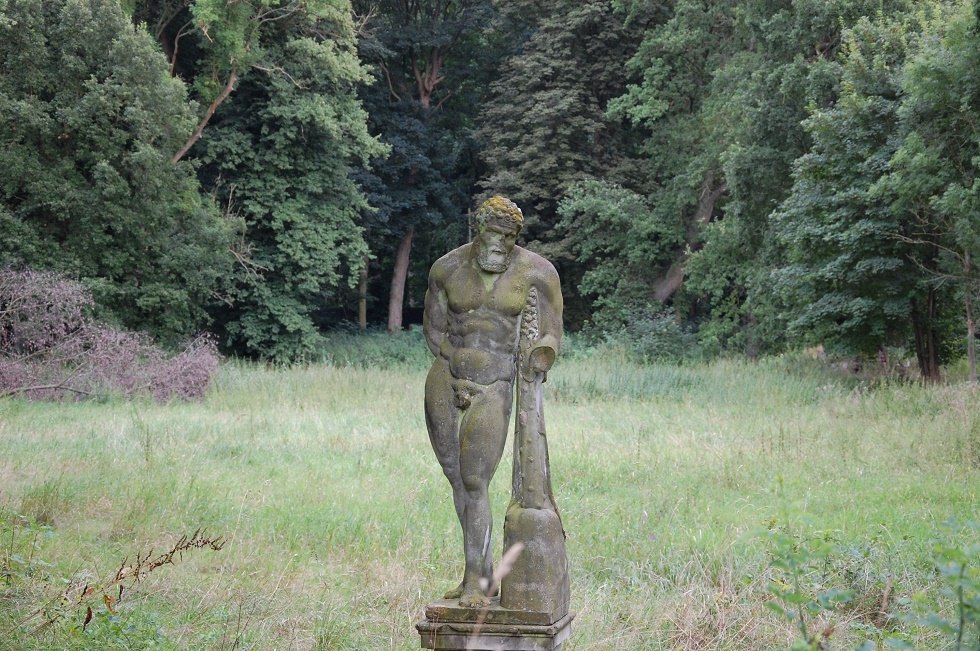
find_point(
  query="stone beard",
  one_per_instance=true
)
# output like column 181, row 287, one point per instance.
column 494, row 261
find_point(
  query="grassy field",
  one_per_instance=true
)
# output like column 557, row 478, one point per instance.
column 688, row 495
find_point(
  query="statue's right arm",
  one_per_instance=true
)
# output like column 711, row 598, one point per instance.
column 435, row 321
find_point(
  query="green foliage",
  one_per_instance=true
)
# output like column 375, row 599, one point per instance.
column 544, row 126
column 90, row 118
column 429, row 60
column 877, row 220
column 23, row 539
column 799, row 585
column 723, row 89
column 932, row 181
column 278, row 157
column 957, row 560
column 807, row 565
column 617, row 237
column 416, row 184
column 376, row 349
column 847, row 280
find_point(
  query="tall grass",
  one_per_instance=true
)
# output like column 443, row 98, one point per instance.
column 339, row 526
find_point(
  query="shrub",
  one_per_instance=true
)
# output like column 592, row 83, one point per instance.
column 376, row 349
column 50, row 347
column 651, row 334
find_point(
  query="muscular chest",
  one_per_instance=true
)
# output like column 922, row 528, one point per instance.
column 468, row 290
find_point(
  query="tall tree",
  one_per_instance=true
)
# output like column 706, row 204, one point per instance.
column 882, row 214
column 90, row 119
column 212, row 43
column 933, row 181
column 278, row 132
column 544, row 125
column 417, row 50
column 279, row 158
column 847, row 282
column 723, row 88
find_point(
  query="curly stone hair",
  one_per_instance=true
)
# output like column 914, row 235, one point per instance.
column 501, row 209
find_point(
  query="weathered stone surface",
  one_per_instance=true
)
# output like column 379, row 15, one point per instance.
column 538, row 580
column 449, row 611
column 456, row 636
column 492, row 319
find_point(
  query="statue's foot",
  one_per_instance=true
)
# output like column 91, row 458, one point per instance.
column 455, row 593
column 474, row 599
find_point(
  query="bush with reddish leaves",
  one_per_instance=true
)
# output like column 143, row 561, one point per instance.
column 51, row 348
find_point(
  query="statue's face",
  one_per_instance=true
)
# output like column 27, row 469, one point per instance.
column 494, row 245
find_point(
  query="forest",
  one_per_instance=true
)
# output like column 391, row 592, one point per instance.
column 709, row 178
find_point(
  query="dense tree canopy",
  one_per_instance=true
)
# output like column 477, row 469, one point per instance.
column 420, row 105
column 277, row 131
column 90, row 119
column 749, row 176
column 846, row 276
column 278, row 157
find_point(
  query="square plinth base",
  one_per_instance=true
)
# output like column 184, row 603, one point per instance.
column 486, row 636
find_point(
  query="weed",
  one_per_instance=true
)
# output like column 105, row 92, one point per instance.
column 957, row 562
column 44, row 502
column 376, row 349
column 22, row 538
column 799, row 584
column 85, row 612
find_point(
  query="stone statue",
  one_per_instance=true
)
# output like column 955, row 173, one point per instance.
column 492, row 320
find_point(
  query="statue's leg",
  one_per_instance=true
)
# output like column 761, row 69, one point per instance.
column 442, row 421
column 482, row 435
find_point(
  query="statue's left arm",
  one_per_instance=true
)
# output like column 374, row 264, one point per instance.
column 545, row 349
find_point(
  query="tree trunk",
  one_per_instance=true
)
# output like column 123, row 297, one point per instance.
column 971, row 326
column 398, row 277
column 926, row 338
column 362, row 291
column 668, row 285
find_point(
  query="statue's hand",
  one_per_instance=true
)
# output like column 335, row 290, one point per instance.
column 540, row 359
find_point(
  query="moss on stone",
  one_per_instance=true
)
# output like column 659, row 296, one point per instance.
column 499, row 208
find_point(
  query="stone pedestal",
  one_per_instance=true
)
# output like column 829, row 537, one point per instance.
column 447, row 626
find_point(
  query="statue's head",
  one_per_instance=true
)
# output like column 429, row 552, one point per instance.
column 498, row 223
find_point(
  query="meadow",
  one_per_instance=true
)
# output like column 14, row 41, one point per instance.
column 701, row 503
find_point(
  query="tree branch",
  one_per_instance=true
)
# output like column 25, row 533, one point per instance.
column 222, row 96
column 167, row 18
column 443, row 100
column 173, row 55
column 391, row 87
column 61, row 386
column 273, row 14
column 909, row 240
column 282, row 70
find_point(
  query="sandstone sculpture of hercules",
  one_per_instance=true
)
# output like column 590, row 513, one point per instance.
column 473, row 307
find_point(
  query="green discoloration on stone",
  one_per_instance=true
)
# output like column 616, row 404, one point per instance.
column 493, row 319
column 538, row 580
column 499, row 209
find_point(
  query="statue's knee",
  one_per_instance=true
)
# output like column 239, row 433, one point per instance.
column 451, row 471
column 475, row 486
